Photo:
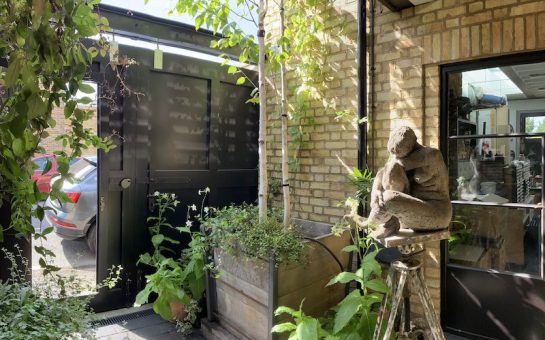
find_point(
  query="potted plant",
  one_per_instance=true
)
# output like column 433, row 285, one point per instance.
column 178, row 281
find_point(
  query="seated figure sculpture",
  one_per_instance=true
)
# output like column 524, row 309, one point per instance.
column 411, row 191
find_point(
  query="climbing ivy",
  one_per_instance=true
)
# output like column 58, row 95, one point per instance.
column 41, row 44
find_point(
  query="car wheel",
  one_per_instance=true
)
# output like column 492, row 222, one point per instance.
column 92, row 238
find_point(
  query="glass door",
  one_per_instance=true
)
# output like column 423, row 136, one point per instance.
column 493, row 277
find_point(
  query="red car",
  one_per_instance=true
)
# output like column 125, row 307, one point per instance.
column 43, row 181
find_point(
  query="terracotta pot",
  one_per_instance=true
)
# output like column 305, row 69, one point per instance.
column 178, row 312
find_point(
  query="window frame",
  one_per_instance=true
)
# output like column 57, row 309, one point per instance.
column 444, row 139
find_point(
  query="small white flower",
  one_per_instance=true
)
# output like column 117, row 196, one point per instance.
column 176, row 202
column 206, row 210
column 194, row 207
column 188, row 224
column 207, row 189
column 156, row 193
column 173, row 196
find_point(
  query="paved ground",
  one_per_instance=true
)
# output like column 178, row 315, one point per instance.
column 73, row 256
column 148, row 327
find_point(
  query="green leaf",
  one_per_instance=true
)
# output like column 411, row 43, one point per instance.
column 18, row 147
column 347, row 309
column 142, row 296
column 351, row 248
column 14, row 69
column 287, row 310
column 232, row 69
column 86, row 88
column 85, row 100
column 157, row 239
column 344, row 277
column 69, row 108
column 377, row 285
column 241, row 80
column 40, row 213
column 162, row 307
column 283, row 327
column 308, row 329
column 47, row 167
column 36, row 106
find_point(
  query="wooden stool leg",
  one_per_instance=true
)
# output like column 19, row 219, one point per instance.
column 390, row 279
column 429, row 312
column 398, row 295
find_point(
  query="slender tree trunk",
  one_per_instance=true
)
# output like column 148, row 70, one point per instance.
column 284, row 118
column 263, row 179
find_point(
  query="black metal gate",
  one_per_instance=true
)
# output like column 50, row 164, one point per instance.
column 190, row 129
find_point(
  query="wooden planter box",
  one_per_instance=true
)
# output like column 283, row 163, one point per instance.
column 242, row 301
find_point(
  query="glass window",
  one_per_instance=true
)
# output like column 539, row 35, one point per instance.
column 491, row 173
column 504, row 239
column 496, row 136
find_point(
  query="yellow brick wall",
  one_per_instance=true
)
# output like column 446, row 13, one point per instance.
column 320, row 183
column 409, row 48
column 63, row 126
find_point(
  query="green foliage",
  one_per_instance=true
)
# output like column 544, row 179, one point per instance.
column 237, row 230
column 460, row 232
column 355, row 316
column 47, row 62
column 301, row 48
column 363, row 182
column 48, row 309
column 303, row 326
column 174, row 280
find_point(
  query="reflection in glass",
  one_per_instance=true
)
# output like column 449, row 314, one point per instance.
column 491, row 175
column 504, row 239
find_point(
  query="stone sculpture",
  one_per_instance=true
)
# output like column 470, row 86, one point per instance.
column 411, row 190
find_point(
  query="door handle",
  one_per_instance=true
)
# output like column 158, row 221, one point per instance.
column 125, row 183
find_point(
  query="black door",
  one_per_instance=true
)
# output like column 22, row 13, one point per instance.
column 493, row 280
column 179, row 130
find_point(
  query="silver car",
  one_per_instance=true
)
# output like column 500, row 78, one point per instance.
column 77, row 218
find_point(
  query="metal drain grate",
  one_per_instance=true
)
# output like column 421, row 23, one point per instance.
column 121, row 318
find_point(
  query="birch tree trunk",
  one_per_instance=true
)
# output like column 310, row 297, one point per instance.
column 263, row 178
column 284, row 119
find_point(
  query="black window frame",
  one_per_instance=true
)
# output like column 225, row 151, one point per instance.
column 444, row 138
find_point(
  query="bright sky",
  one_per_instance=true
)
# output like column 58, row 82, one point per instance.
column 160, row 8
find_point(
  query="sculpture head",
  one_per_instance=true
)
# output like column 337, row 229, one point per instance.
column 402, row 141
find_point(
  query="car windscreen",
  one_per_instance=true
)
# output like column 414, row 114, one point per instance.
column 81, row 169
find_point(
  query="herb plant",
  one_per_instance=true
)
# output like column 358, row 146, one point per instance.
column 355, row 316
column 175, row 279
column 238, row 231
column 303, row 326
column 49, row 309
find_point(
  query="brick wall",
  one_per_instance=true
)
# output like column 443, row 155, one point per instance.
column 409, row 47
column 330, row 145
column 62, row 126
